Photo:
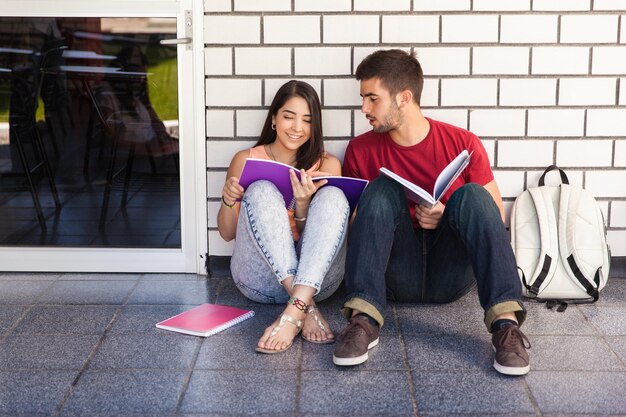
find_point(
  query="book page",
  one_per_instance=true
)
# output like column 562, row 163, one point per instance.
column 450, row 173
column 413, row 192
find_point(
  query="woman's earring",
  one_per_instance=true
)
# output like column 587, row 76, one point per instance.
column 273, row 126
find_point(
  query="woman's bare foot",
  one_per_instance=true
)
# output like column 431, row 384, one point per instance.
column 279, row 336
column 316, row 329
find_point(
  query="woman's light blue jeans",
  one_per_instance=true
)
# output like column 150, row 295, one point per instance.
column 265, row 252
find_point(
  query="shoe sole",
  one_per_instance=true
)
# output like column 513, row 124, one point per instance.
column 357, row 360
column 510, row 370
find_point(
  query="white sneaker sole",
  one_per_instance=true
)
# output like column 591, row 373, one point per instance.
column 357, row 360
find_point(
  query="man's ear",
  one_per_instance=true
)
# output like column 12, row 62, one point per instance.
column 404, row 97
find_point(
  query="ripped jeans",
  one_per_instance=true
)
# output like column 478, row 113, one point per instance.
column 265, row 252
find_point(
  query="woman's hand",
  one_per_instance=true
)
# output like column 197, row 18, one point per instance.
column 232, row 191
column 304, row 188
column 429, row 218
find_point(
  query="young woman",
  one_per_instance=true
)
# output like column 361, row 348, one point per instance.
column 292, row 256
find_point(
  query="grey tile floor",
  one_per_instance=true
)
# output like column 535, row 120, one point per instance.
column 86, row 345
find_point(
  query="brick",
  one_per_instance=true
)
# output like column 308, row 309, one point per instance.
column 587, row 91
column 382, row 5
column 606, row 122
column 323, row 5
column 232, row 92
column 220, row 123
column 213, row 207
column 430, row 93
column 323, row 61
column 215, row 182
column 410, row 29
column 250, row 122
column 618, row 5
column 597, row 29
column 553, row 178
column 498, row 122
column 606, row 184
column 511, row 183
column 499, row 5
column 351, row 29
column 623, row 35
column 455, row 117
column 341, row 92
column 263, row 6
column 336, row 123
column 529, row 29
column 620, row 153
column 220, row 153
column 622, row 91
column 469, row 92
column 361, row 125
column 444, row 61
column 555, row 122
column 232, row 29
column 218, row 246
column 528, row 92
column 500, row 60
column 218, row 6
column 438, row 5
column 560, row 60
column 609, row 60
column 484, row 28
column 554, row 5
column 218, row 61
column 617, row 241
column 525, row 153
column 490, row 147
column 273, row 84
column 259, row 60
column 584, row 153
column 291, row 29
column 336, row 148
column 618, row 214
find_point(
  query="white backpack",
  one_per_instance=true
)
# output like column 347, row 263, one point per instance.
column 558, row 236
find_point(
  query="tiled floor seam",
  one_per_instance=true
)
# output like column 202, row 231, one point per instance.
column 405, row 359
column 187, row 380
column 296, row 403
column 59, row 408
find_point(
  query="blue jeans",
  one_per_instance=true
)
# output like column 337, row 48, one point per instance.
column 265, row 252
column 389, row 259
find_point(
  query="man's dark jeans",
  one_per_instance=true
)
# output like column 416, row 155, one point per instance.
column 389, row 259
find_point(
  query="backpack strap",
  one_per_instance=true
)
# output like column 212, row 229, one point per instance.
column 568, row 207
column 548, row 236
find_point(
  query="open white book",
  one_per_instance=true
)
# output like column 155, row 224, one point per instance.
column 442, row 184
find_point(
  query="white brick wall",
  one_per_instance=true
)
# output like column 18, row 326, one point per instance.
column 540, row 81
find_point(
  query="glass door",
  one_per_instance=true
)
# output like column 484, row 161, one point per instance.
column 98, row 157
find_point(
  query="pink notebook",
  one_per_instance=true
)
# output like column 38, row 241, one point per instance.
column 205, row 320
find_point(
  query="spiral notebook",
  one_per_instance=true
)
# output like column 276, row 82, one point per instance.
column 205, row 320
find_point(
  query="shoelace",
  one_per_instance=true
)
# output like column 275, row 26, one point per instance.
column 512, row 336
column 352, row 329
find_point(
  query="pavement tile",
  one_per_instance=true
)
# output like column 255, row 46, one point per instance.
column 108, row 392
column 335, row 392
column 449, row 351
column 614, row 292
column 618, row 345
column 578, row 392
column 143, row 318
column 170, row 292
column 36, row 352
column 608, row 320
column 31, row 392
column 146, row 351
column 470, row 392
column 440, row 319
column 584, row 353
column 542, row 321
column 242, row 392
column 9, row 315
column 87, row 292
column 22, row 292
column 66, row 320
column 236, row 352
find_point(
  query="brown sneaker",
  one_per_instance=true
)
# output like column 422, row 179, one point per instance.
column 355, row 341
column 510, row 345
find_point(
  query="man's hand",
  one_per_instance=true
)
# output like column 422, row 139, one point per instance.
column 429, row 218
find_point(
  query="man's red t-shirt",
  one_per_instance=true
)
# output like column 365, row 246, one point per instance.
column 421, row 163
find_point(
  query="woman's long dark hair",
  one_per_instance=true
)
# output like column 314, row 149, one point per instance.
column 313, row 150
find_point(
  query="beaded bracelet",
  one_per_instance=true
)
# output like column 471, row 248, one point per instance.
column 298, row 303
column 226, row 204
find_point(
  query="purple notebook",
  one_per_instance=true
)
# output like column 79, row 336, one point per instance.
column 278, row 173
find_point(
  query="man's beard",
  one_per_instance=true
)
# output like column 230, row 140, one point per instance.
column 391, row 120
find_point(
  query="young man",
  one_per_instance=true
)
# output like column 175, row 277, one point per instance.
column 410, row 253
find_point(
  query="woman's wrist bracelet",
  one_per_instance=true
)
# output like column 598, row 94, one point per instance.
column 226, row 204
column 299, row 219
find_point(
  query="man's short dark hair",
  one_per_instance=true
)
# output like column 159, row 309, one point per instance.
column 398, row 71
